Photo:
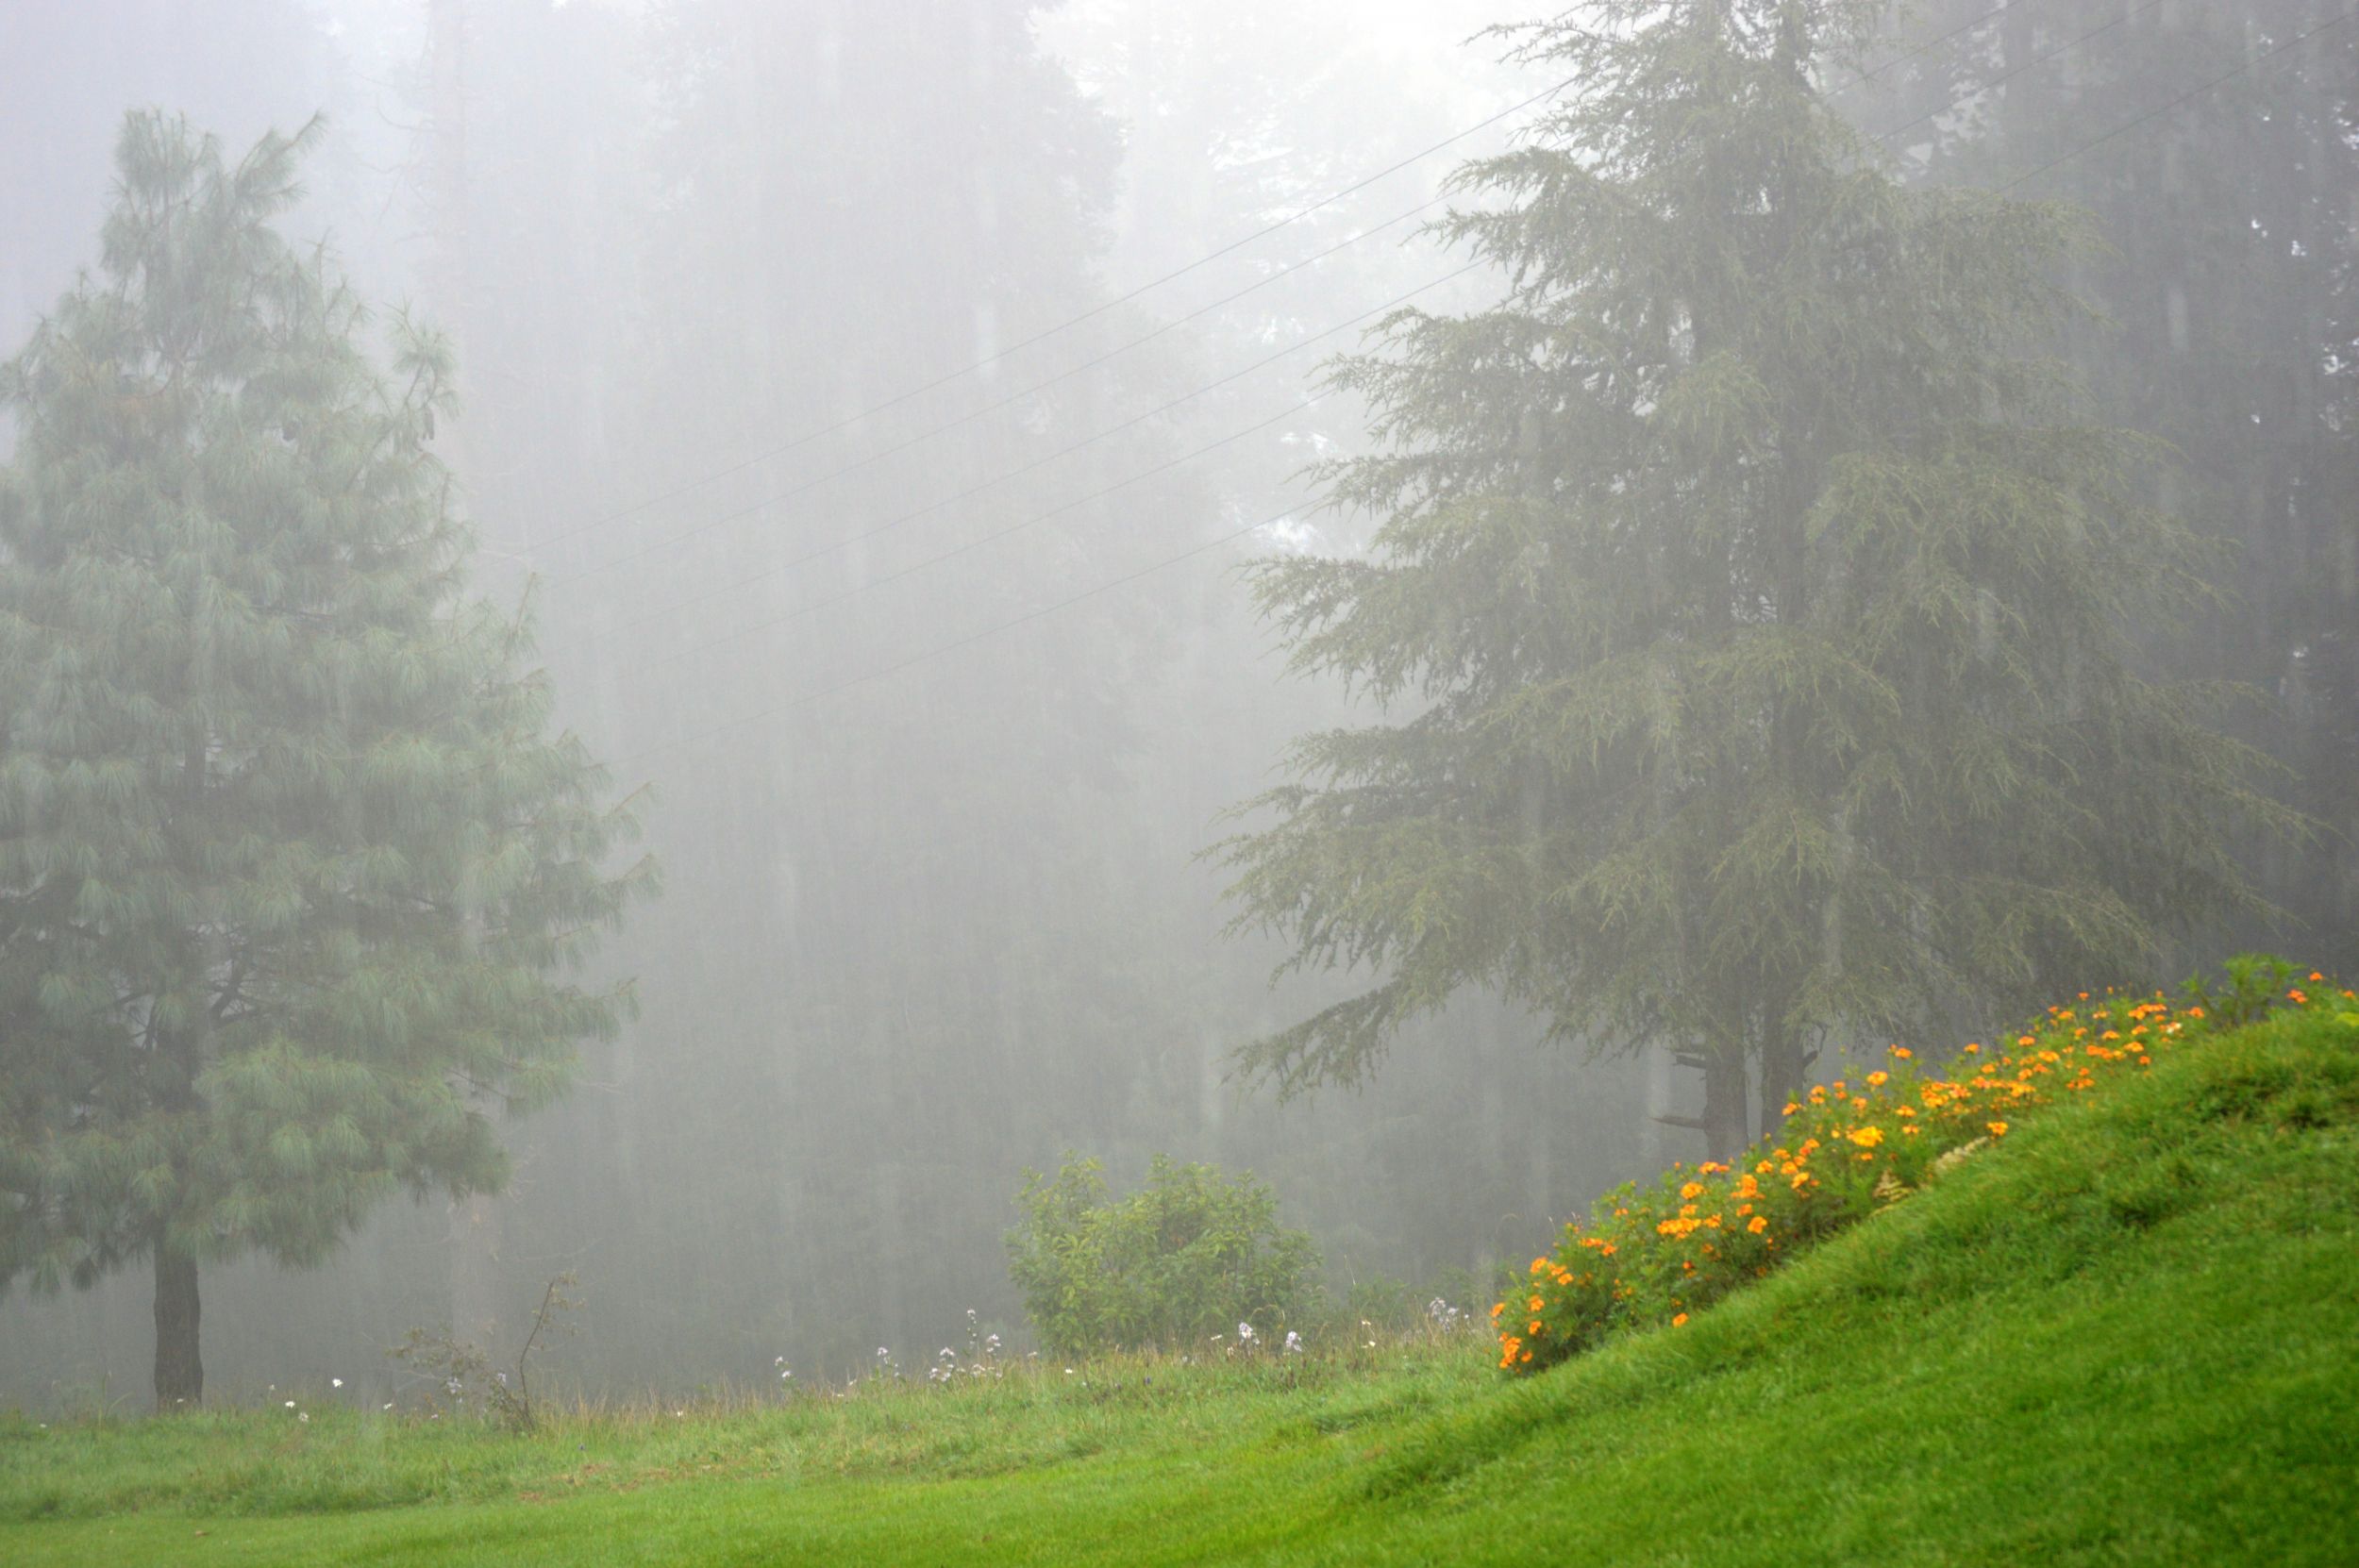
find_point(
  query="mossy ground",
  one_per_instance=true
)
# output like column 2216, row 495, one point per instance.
column 2126, row 1336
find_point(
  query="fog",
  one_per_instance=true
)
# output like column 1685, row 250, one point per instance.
column 877, row 400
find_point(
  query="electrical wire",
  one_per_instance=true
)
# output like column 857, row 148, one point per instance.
column 836, row 688
column 1100, row 308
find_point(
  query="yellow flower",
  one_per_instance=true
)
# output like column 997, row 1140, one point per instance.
column 1757, row 1224
column 1999, row 1129
column 1874, row 1079
column 1866, row 1138
column 1693, row 1190
column 1902, row 1052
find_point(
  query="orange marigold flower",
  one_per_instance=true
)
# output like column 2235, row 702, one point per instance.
column 1757, row 1224
column 1538, row 1264
column 1866, row 1138
column 1902, row 1052
column 1536, row 1303
column 1999, row 1129
column 1971, row 1048
column 1692, row 1190
column 1679, row 1319
column 1875, row 1079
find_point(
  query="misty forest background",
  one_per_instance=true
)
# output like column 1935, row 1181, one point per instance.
column 933, row 908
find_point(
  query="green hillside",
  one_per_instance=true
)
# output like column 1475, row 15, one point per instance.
column 2123, row 1334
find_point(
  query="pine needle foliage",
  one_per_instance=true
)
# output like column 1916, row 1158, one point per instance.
column 293, row 873
column 1750, row 607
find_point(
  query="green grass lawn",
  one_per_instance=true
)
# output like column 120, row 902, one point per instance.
column 2129, row 1334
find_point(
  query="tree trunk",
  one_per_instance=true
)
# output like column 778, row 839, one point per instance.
column 1785, row 1067
column 179, row 1371
column 1725, row 1134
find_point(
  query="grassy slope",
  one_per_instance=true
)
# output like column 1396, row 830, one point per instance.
column 2125, row 1336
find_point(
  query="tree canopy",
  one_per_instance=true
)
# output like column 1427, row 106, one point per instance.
column 1752, row 608
column 295, row 875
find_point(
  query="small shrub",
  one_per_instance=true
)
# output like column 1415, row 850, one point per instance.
column 467, row 1373
column 1189, row 1256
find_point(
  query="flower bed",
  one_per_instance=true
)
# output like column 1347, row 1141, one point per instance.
column 1654, row 1256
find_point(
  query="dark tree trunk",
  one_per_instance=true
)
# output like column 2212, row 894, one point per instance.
column 1725, row 1132
column 179, row 1372
column 1785, row 1067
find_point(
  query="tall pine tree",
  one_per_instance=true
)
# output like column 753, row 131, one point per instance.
column 292, row 869
column 1750, row 611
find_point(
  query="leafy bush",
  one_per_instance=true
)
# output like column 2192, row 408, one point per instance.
column 1189, row 1256
column 1653, row 1255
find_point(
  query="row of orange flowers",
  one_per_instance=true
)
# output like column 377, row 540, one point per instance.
column 1847, row 1148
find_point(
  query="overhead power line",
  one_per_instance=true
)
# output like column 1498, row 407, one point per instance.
column 1932, row 44
column 773, row 570
column 2033, row 63
column 2186, row 97
column 689, row 486
column 805, row 487
column 836, row 688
